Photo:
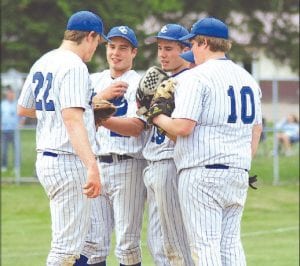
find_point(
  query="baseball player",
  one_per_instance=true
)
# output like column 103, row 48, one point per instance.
column 167, row 238
column 217, row 121
column 121, row 140
column 58, row 93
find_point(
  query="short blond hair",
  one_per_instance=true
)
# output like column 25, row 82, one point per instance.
column 76, row 35
column 215, row 44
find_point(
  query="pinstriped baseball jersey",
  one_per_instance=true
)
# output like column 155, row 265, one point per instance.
column 126, row 107
column 225, row 108
column 167, row 239
column 58, row 80
column 158, row 146
column 121, row 204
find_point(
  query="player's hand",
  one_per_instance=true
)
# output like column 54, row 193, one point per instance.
column 115, row 90
column 92, row 187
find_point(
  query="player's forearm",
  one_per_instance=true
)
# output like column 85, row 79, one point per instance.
column 175, row 127
column 125, row 126
column 28, row 112
column 256, row 132
column 73, row 120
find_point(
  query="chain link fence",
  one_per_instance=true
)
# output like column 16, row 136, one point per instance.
column 279, row 99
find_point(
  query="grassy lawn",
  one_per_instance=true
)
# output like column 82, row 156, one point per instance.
column 25, row 227
column 270, row 228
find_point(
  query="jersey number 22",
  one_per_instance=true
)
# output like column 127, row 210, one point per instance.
column 39, row 99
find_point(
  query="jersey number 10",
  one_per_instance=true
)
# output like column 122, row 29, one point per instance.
column 245, row 117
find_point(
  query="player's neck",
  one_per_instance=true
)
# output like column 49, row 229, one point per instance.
column 183, row 67
column 114, row 73
column 73, row 47
column 215, row 55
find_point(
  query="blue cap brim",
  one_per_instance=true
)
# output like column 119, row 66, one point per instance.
column 152, row 39
column 125, row 37
column 187, row 37
column 188, row 56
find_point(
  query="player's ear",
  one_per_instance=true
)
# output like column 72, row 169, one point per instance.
column 92, row 35
column 205, row 43
column 134, row 52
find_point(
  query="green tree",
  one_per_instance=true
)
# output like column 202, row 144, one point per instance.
column 269, row 26
column 29, row 28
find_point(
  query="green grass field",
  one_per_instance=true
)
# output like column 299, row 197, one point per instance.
column 270, row 227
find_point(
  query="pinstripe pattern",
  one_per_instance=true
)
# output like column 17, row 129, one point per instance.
column 158, row 150
column 128, row 195
column 63, row 178
column 224, row 100
column 71, row 87
column 130, row 145
column 26, row 97
column 165, row 220
column 214, row 140
column 167, row 238
column 213, row 202
column 58, row 80
column 99, row 237
column 154, row 233
column 121, row 204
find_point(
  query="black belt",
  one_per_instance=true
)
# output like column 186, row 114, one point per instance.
column 218, row 166
column 110, row 158
column 49, row 153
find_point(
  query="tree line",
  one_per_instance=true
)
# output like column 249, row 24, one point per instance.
column 30, row 28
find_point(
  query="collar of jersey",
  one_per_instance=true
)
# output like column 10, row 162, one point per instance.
column 223, row 58
column 176, row 74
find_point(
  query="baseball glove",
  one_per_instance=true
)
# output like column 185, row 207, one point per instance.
column 163, row 100
column 102, row 110
column 252, row 180
column 147, row 87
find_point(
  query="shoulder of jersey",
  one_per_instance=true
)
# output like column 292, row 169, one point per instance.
column 62, row 58
column 132, row 78
column 132, row 75
column 183, row 75
column 100, row 75
column 242, row 71
column 205, row 68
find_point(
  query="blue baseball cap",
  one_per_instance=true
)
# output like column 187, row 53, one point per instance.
column 211, row 27
column 124, row 32
column 188, row 56
column 86, row 21
column 170, row 32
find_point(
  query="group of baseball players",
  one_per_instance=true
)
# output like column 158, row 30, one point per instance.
column 99, row 179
